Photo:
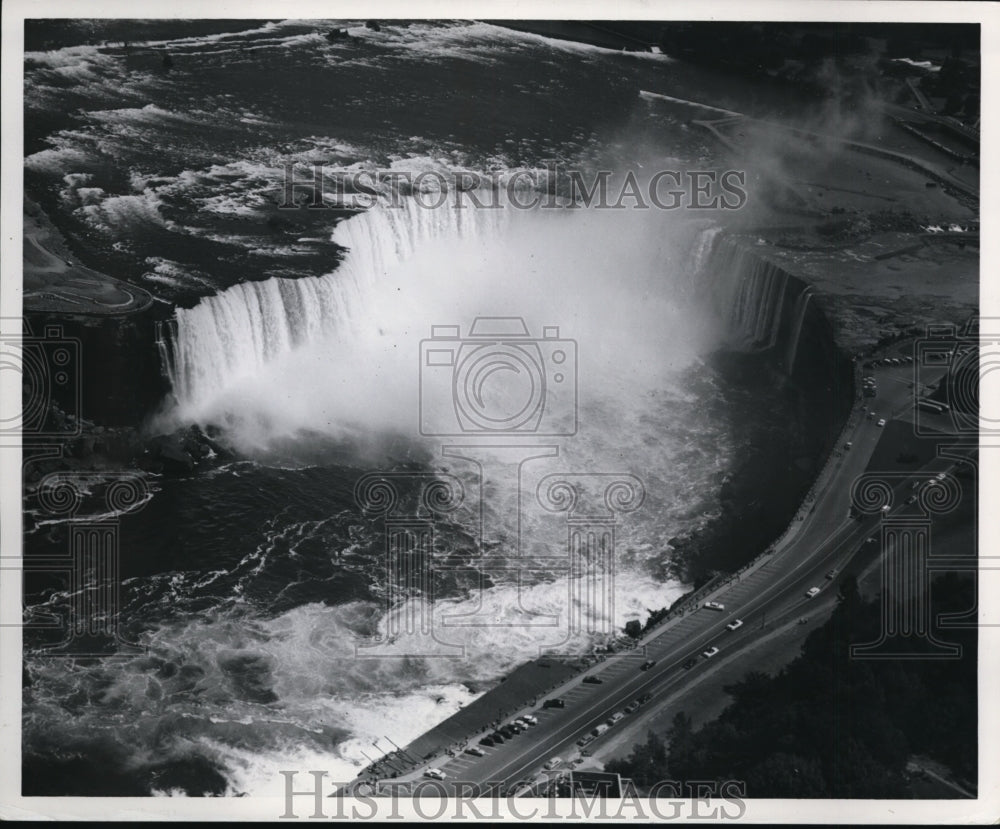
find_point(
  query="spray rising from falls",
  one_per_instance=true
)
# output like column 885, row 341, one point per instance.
column 339, row 354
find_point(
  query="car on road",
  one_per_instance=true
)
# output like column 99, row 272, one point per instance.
column 881, row 421
column 831, row 572
column 812, row 591
column 435, row 774
column 645, row 698
column 553, row 763
column 736, row 623
column 555, row 702
column 645, row 666
column 714, row 606
column 710, row 652
column 689, row 664
column 870, row 415
column 618, row 715
column 475, row 752
column 593, row 680
column 631, row 707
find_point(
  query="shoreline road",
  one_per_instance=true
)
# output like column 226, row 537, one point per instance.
column 826, row 539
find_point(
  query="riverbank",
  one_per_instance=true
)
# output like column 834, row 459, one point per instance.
column 55, row 281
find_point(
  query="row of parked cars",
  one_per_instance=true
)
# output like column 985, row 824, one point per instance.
column 501, row 735
column 504, row 733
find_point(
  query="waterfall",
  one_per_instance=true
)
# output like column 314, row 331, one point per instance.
column 763, row 307
column 555, row 264
column 229, row 337
column 801, row 305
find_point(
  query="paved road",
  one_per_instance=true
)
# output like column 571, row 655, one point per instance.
column 826, row 538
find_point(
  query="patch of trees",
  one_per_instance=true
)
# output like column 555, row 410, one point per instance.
column 828, row 725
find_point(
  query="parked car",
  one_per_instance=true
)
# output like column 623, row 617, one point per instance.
column 475, row 752
column 812, row 591
column 555, row 702
column 593, row 680
column 488, row 741
column 616, row 717
column 587, row 738
column 645, row 666
column 435, row 774
column 631, row 707
column 689, row 664
column 715, row 606
column 498, row 738
column 531, row 718
column 645, row 698
column 710, row 652
column 736, row 623
column 881, row 421
column 831, row 573
column 597, row 732
column 553, row 763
